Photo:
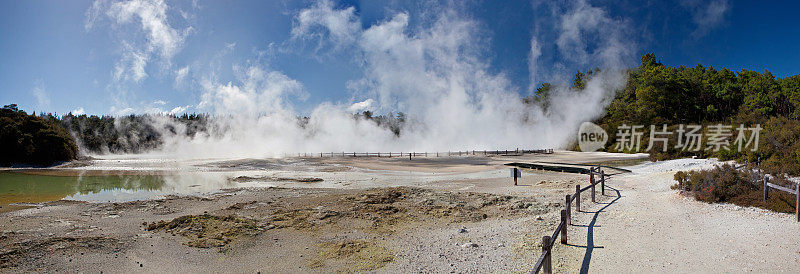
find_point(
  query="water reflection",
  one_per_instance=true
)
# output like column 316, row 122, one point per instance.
column 18, row 187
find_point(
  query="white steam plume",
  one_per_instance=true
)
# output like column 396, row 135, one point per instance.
column 434, row 73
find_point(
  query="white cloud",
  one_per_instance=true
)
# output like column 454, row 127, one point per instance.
column 706, row 16
column 93, row 13
column 585, row 36
column 161, row 40
column 42, row 98
column 152, row 15
column 159, row 102
column 585, row 21
column 180, row 75
column 178, row 110
column 359, row 106
column 78, row 111
column 131, row 66
column 341, row 26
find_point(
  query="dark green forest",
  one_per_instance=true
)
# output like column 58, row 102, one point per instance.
column 656, row 94
column 32, row 140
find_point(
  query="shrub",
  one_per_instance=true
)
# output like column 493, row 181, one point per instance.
column 726, row 184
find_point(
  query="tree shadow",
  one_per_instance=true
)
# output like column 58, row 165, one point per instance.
column 587, row 257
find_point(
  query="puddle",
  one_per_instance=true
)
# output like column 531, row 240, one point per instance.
column 37, row 187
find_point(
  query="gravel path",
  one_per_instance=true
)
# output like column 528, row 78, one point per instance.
column 651, row 228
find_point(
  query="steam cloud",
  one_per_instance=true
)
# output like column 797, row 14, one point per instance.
column 433, row 72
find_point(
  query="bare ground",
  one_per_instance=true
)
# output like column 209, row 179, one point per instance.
column 448, row 214
column 645, row 227
column 287, row 230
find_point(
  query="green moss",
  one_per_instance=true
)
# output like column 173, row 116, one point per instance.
column 352, row 256
column 206, row 231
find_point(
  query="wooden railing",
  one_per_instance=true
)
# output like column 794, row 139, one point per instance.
column 544, row 263
column 796, row 192
column 427, row 154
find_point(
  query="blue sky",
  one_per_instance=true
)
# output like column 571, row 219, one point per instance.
column 119, row 57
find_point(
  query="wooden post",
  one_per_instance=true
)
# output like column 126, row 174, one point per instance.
column 797, row 201
column 766, row 189
column 515, row 175
column 578, row 198
column 591, row 181
column 547, row 268
column 602, row 182
column 564, row 227
column 409, row 156
column 568, row 206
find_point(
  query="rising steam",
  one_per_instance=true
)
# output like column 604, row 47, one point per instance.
column 434, row 72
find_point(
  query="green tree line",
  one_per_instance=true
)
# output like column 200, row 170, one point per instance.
column 32, row 140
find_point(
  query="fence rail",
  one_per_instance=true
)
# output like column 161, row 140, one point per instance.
column 427, row 154
column 796, row 192
column 544, row 264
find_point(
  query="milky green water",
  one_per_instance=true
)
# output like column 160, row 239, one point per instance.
column 17, row 187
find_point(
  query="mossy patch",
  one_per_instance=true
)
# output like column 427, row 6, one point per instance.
column 298, row 218
column 387, row 208
column 352, row 256
column 206, row 231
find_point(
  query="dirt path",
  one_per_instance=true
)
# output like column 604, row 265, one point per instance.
column 643, row 226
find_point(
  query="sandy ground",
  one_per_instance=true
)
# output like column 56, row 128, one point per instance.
column 650, row 228
column 452, row 214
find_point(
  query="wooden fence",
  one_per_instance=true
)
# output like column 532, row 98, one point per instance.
column 795, row 192
column 427, row 154
column 544, row 262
